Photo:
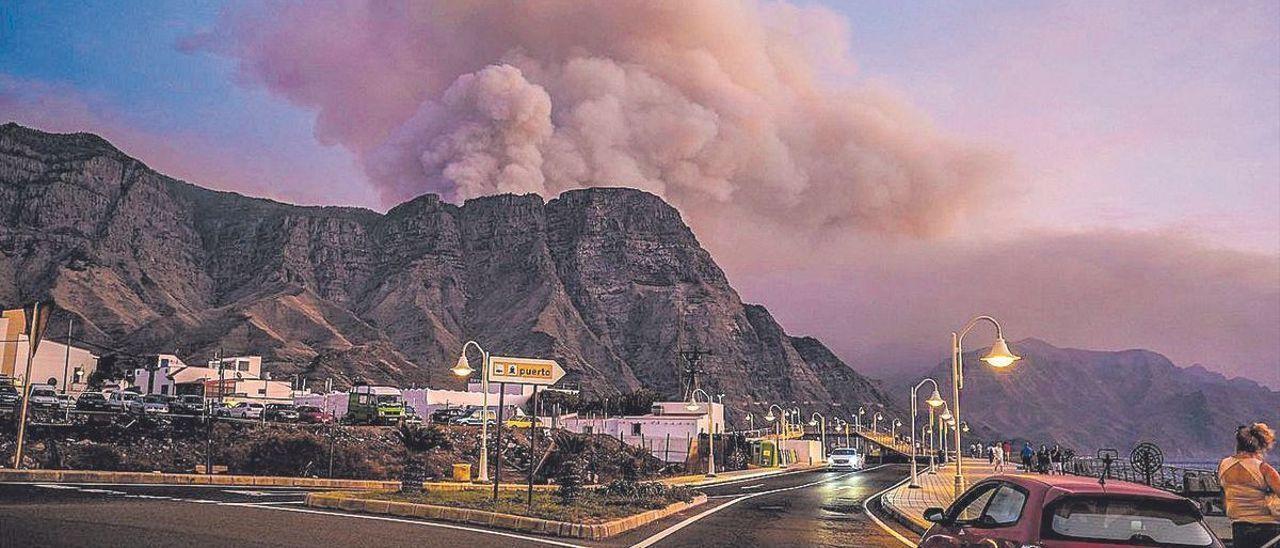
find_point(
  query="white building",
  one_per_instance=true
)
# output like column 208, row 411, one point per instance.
column 169, row 374
column 668, row 432
column 54, row 362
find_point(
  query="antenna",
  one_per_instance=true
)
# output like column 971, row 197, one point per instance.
column 691, row 358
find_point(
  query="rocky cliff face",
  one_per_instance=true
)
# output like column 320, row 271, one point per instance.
column 609, row 281
column 1090, row 399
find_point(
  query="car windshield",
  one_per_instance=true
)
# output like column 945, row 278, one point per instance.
column 46, row 393
column 308, row 409
column 389, row 398
column 91, row 396
column 843, row 452
column 155, row 398
column 278, row 406
column 8, row 390
column 192, row 399
column 1134, row 521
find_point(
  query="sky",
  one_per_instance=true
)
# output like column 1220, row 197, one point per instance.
column 1098, row 175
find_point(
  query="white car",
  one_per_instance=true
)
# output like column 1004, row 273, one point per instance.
column 844, row 458
column 119, row 401
column 44, row 397
column 246, row 410
column 151, row 404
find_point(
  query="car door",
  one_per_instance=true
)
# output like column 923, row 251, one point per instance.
column 957, row 529
column 1001, row 523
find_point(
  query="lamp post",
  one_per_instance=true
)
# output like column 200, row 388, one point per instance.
column 893, row 430
column 999, row 357
column 934, row 401
column 821, row 422
column 711, row 429
column 782, row 424
column 751, row 421
column 463, row 369
column 875, row 422
column 941, row 429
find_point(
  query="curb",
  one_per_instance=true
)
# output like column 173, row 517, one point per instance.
column 901, row 516
column 526, row 524
column 153, row 478
column 700, row 480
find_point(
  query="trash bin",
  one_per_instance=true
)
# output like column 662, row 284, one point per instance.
column 462, row 472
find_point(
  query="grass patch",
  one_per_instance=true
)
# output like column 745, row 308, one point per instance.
column 593, row 506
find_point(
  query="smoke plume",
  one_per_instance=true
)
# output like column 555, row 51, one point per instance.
column 745, row 106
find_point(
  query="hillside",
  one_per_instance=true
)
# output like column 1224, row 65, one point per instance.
column 1090, row 399
column 611, row 282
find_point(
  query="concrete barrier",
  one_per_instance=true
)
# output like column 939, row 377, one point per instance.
column 351, row 502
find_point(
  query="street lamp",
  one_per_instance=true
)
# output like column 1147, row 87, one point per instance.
column 999, row 357
column 814, row 421
column 777, row 445
column 934, row 401
column 875, row 422
column 893, row 430
column 711, row 428
column 463, row 369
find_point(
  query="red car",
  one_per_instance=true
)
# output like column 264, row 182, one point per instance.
column 311, row 414
column 1025, row 511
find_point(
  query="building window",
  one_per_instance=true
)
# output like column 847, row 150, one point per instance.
column 262, row 390
column 635, row 429
column 164, row 389
column 164, row 362
column 242, row 365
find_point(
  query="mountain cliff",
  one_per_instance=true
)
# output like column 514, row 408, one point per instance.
column 1090, row 399
column 609, row 281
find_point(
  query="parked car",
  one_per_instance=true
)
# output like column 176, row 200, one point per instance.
column 189, row 404
column 92, row 401
column 448, row 414
column 844, row 458
column 9, row 397
column 43, row 398
column 473, row 418
column 119, row 401
column 311, row 414
column 66, row 402
column 246, row 410
column 1066, row 512
column 410, row 415
column 152, row 404
column 280, row 412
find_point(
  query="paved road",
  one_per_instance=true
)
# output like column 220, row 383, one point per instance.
column 800, row 509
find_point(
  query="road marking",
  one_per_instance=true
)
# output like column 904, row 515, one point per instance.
column 691, row 519
column 745, row 487
column 54, row 486
column 263, row 493
column 867, row 509
column 273, row 503
column 411, row 521
column 755, row 477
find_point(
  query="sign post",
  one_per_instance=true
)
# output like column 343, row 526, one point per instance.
column 505, row 370
column 37, row 317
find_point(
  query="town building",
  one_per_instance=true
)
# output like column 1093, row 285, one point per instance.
column 55, row 363
column 168, row 374
column 670, row 431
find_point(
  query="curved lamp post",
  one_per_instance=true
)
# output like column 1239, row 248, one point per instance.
column 777, row 444
column 875, row 422
column 933, row 401
column 941, row 430
column 463, row 369
column 711, row 428
column 893, row 430
column 821, row 422
column 999, row 357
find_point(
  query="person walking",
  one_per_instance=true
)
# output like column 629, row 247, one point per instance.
column 991, row 454
column 1042, row 459
column 1251, row 488
column 1027, row 454
column 1055, row 459
column 1008, row 450
column 997, row 454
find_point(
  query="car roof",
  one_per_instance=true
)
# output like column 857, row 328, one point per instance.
column 1083, row 485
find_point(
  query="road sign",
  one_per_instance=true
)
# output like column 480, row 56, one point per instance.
column 524, row 370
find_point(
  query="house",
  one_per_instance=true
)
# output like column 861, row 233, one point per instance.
column 168, row 374
column 669, row 431
column 55, row 363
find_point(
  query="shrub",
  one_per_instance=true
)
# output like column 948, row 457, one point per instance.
column 422, row 438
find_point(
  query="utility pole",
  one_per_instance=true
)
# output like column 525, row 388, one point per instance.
column 691, row 358
column 66, row 364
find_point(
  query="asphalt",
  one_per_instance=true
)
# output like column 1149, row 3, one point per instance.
column 812, row 508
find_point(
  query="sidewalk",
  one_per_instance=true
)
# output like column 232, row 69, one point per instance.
column 908, row 505
column 701, row 480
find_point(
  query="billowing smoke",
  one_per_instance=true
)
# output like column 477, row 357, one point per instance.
column 746, row 107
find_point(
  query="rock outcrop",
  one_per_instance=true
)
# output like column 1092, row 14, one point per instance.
column 609, row 281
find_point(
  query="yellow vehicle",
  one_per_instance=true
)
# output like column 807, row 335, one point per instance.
column 518, row 422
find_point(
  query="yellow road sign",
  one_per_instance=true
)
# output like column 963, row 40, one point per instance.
column 524, row 370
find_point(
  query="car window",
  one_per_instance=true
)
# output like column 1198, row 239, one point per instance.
column 971, row 506
column 1006, row 505
column 1133, row 521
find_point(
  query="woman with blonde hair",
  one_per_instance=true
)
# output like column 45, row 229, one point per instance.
column 1251, row 489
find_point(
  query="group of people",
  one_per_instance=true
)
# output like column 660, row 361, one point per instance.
column 1048, row 460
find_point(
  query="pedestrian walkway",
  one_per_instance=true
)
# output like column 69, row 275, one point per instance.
column 935, row 491
column 884, row 439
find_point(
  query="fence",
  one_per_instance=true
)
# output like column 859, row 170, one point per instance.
column 1201, row 486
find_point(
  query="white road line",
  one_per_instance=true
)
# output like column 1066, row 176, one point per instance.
column 275, row 503
column 755, row 477
column 691, row 519
column 867, row 509
column 413, row 522
column 745, row 487
column 55, row 486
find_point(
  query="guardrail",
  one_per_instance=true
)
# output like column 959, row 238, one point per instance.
column 1201, row 486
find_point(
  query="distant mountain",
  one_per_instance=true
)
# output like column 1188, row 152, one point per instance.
column 609, row 281
column 1090, row 399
